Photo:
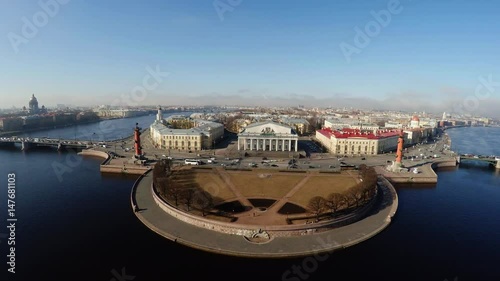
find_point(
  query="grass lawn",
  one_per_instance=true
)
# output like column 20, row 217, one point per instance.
column 322, row 186
column 264, row 184
column 213, row 184
column 260, row 183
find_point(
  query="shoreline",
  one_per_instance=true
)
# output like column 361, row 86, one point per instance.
column 150, row 213
column 13, row 133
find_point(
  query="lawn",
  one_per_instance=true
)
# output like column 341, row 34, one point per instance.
column 322, row 186
column 213, row 184
column 264, row 183
column 260, row 183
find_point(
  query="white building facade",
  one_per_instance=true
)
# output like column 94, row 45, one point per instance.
column 355, row 142
column 202, row 135
column 268, row 136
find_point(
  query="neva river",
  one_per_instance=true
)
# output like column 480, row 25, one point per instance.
column 81, row 226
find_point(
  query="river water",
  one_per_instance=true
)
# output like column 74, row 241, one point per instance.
column 80, row 225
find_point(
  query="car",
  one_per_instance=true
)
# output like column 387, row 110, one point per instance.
column 363, row 158
column 274, row 165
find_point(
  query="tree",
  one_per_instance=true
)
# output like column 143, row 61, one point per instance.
column 357, row 193
column 317, row 205
column 160, row 184
column 203, row 201
column 174, row 193
column 188, row 197
column 162, row 169
column 362, row 170
column 335, row 201
column 350, row 198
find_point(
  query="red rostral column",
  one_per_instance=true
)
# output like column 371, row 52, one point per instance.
column 137, row 140
column 399, row 153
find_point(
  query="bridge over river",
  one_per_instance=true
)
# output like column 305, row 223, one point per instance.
column 26, row 143
column 494, row 161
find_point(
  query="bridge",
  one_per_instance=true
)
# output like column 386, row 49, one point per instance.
column 26, row 143
column 492, row 161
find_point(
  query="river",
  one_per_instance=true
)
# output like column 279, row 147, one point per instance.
column 81, row 226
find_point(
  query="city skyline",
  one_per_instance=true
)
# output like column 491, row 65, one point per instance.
column 423, row 56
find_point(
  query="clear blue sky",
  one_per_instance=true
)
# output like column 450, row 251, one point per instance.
column 93, row 51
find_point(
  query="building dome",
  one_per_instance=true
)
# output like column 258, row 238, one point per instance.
column 415, row 118
column 33, row 100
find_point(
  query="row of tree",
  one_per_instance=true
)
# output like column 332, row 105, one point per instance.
column 179, row 188
column 352, row 198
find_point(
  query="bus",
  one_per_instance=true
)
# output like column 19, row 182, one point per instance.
column 192, row 162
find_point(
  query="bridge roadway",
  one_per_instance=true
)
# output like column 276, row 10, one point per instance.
column 26, row 143
column 492, row 161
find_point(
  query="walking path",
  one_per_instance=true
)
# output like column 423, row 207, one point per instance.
column 243, row 200
column 277, row 205
column 326, row 241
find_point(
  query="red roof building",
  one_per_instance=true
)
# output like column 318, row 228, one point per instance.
column 356, row 142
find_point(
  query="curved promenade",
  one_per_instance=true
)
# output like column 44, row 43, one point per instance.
column 147, row 210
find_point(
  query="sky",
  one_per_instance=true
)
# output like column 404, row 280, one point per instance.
column 412, row 55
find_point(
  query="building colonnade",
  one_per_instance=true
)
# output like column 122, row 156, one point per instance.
column 267, row 144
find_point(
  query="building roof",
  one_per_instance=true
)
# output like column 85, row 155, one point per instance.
column 295, row 121
column 347, row 133
column 267, row 122
column 204, row 127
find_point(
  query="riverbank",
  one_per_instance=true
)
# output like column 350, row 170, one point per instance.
column 154, row 217
column 110, row 164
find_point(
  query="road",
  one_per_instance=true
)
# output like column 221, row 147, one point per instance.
column 414, row 156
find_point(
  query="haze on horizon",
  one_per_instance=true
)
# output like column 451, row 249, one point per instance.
column 413, row 55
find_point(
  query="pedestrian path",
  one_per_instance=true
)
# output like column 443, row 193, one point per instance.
column 326, row 241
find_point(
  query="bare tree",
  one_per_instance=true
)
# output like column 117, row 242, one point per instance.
column 174, row 193
column 203, row 201
column 188, row 197
column 335, row 201
column 350, row 198
column 317, row 205
column 160, row 185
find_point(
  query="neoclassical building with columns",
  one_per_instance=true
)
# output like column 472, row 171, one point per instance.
column 268, row 136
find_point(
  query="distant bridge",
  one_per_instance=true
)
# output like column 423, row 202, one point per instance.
column 492, row 161
column 56, row 143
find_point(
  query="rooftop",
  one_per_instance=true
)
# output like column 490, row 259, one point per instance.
column 355, row 133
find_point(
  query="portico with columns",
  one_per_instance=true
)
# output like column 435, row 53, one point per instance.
column 268, row 136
